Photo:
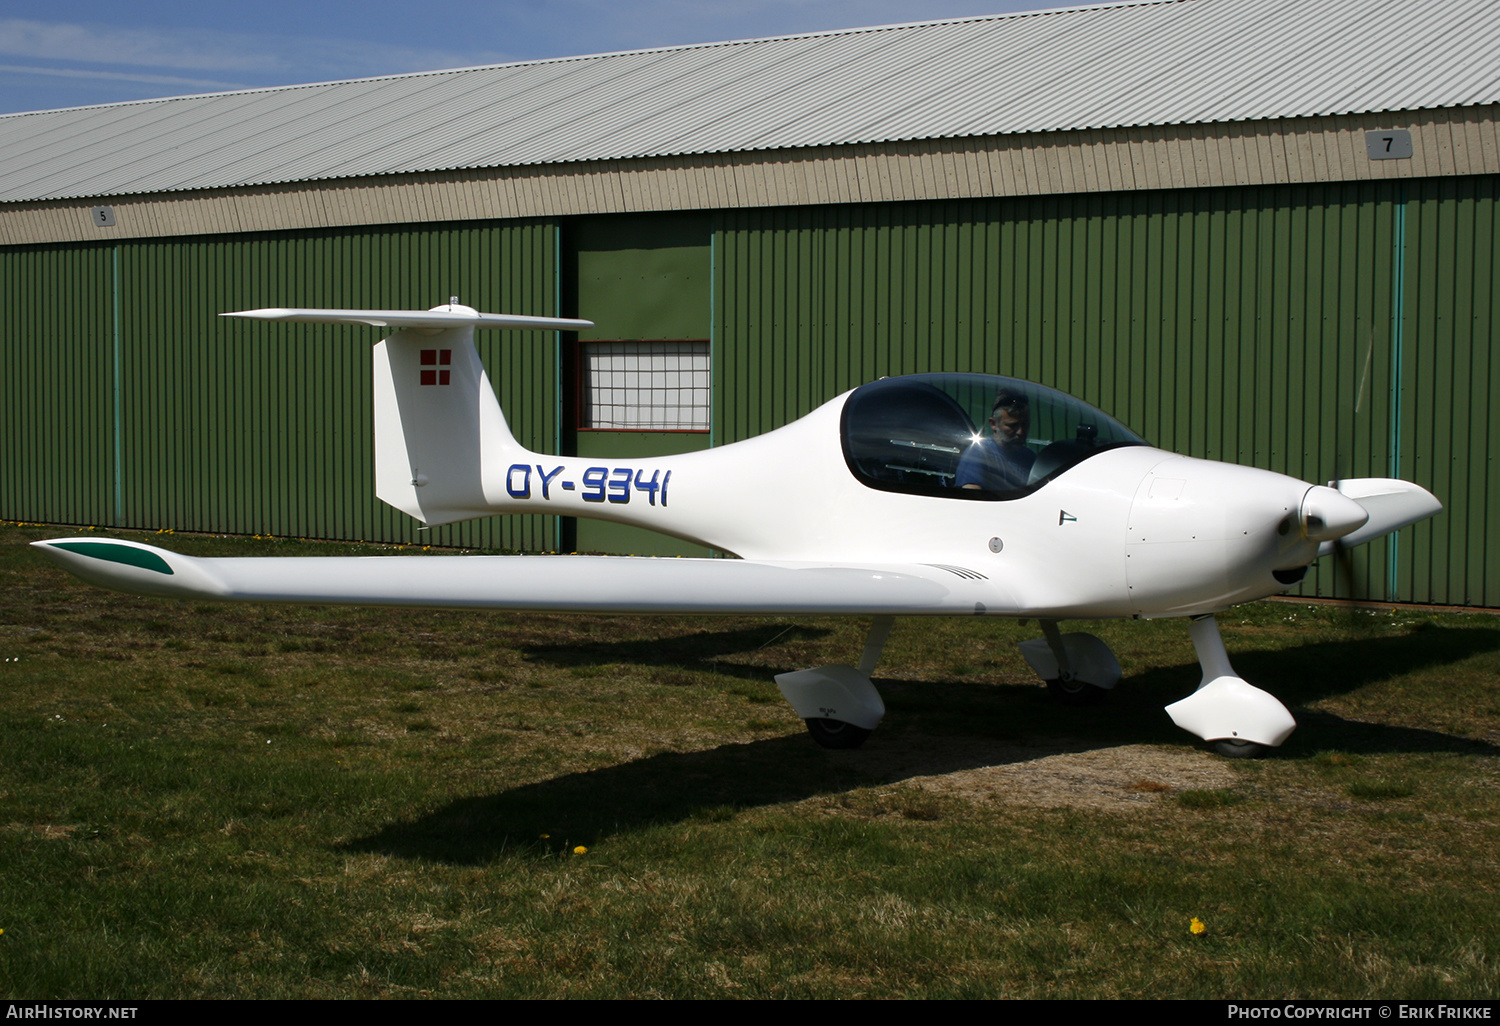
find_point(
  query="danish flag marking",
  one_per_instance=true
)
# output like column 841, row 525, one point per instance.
column 438, row 360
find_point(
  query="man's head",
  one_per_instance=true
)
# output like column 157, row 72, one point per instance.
column 1010, row 418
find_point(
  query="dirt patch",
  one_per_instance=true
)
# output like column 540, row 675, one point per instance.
column 1102, row 779
column 1042, row 772
column 48, row 831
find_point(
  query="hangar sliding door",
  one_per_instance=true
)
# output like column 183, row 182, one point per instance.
column 638, row 382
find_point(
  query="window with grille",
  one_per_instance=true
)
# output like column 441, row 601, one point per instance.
column 644, row 386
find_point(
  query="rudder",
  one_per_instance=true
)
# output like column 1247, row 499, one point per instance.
column 438, row 426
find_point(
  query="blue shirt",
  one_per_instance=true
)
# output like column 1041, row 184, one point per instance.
column 995, row 467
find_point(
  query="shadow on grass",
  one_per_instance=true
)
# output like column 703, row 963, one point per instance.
column 931, row 728
column 1308, row 673
column 581, row 808
column 690, row 651
column 1301, row 674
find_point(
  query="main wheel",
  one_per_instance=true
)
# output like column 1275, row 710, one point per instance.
column 836, row 733
column 1075, row 692
column 1231, row 748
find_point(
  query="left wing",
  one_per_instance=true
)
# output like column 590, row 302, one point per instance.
column 597, row 584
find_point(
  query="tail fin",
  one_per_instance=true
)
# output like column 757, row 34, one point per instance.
column 438, row 426
column 441, row 442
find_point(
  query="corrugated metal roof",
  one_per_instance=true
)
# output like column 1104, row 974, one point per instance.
column 1113, row 66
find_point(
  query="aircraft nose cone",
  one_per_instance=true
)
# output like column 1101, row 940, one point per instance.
column 1327, row 514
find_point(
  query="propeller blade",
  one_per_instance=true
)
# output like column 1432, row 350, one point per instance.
column 1391, row 505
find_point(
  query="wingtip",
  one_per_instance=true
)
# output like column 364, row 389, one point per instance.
column 264, row 314
column 134, row 567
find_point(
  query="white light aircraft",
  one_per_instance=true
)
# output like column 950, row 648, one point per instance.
column 928, row 495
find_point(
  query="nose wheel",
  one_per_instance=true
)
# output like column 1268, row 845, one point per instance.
column 1232, row 749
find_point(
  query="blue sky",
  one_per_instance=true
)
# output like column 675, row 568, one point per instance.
column 69, row 53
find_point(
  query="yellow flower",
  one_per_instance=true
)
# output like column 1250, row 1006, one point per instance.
column 1196, row 927
column 580, row 850
column 544, row 836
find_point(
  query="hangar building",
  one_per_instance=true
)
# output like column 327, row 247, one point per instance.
column 1262, row 231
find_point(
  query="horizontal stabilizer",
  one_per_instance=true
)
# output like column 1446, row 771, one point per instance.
column 1391, row 503
column 598, row 584
column 441, row 317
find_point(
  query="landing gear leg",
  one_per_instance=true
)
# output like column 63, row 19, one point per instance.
column 1239, row 719
column 838, row 703
column 880, row 633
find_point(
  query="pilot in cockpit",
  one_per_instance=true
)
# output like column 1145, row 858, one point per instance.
column 1002, row 461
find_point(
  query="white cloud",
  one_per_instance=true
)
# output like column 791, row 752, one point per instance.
column 104, row 44
column 122, row 76
column 262, row 55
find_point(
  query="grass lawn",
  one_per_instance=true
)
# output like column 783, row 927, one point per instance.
column 260, row 801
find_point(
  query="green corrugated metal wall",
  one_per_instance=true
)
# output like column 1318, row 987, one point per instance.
column 1228, row 324
column 55, row 394
column 1340, row 329
column 243, row 427
column 1450, row 357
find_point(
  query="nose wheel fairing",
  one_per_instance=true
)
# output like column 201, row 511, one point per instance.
column 1230, row 709
column 1226, row 707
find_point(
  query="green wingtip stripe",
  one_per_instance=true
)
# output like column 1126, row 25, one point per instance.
column 126, row 554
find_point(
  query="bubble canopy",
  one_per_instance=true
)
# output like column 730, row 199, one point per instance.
column 970, row 436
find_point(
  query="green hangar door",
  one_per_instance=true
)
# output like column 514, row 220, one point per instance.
column 638, row 383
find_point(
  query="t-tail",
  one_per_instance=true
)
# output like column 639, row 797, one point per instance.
column 442, row 445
